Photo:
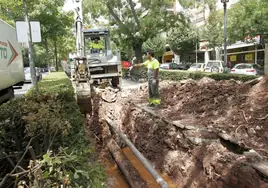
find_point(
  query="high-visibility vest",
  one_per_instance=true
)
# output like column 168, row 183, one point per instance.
column 94, row 45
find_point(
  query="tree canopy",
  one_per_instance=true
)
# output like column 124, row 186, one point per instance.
column 55, row 26
column 134, row 22
column 247, row 18
column 213, row 30
column 182, row 40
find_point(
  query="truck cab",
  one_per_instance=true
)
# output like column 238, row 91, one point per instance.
column 102, row 64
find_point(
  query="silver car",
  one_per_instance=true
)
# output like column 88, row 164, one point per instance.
column 247, row 69
column 27, row 73
column 197, row 67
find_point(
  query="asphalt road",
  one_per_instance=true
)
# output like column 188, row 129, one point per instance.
column 20, row 91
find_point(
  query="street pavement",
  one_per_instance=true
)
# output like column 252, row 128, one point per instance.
column 129, row 84
column 126, row 84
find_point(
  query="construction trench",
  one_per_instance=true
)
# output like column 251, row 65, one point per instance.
column 206, row 133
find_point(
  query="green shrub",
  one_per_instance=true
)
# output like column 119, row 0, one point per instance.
column 178, row 75
column 50, row 120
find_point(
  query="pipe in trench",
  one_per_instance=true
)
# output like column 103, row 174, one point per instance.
column 142, row 159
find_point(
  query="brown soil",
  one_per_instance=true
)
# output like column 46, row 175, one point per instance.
column 192, row 158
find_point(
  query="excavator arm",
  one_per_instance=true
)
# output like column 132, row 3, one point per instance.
column 81, row 74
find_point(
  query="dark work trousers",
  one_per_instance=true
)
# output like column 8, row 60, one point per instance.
column 153, row 89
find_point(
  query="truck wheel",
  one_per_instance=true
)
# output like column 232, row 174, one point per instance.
column 115, row 81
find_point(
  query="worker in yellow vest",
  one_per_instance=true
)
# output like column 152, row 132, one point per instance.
column 152, row 65
column 96, row 46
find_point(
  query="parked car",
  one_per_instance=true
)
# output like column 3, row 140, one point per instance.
column 215, row 66
column 27, row 73
column 52, row 69
column 247, row 69
column 168, row 66
column 183, row 66
column 197, row 67
column 173, row 66
column 44, row 69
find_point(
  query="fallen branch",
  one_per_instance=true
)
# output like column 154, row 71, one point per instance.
column 9, row 160
column 262, row 118
column 254, row 81
column 236, row 130
column 5, row 178
column 96, row 137
column 244, row 116
column 18, row 174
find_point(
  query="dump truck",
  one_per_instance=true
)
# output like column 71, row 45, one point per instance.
column 11, row 62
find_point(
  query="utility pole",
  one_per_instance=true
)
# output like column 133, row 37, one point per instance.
column 30, row 46
column 225, row 29
column 196, row 43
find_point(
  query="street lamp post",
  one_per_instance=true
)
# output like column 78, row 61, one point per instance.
column 225, row 30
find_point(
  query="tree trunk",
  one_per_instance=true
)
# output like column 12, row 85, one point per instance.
column 138, row 52
column 56, row 56
column 47, row 54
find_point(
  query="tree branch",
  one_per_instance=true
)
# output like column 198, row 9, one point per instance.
column 5, row 178
column 134, row 14
column 120, row 23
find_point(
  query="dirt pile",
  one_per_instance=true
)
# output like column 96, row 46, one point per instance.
column 236, row 108
column 195, row 157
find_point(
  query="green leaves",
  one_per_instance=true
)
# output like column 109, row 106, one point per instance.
column 73, row 164
column 247, row 18
column 55, row 25
column 53, row 119
column 213, row 30
column 157, row 44
column 182, row 40
column 134, row 22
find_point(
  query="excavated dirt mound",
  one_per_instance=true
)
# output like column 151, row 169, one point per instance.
column 193, row 158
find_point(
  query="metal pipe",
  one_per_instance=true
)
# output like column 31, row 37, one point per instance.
column 142, row 159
